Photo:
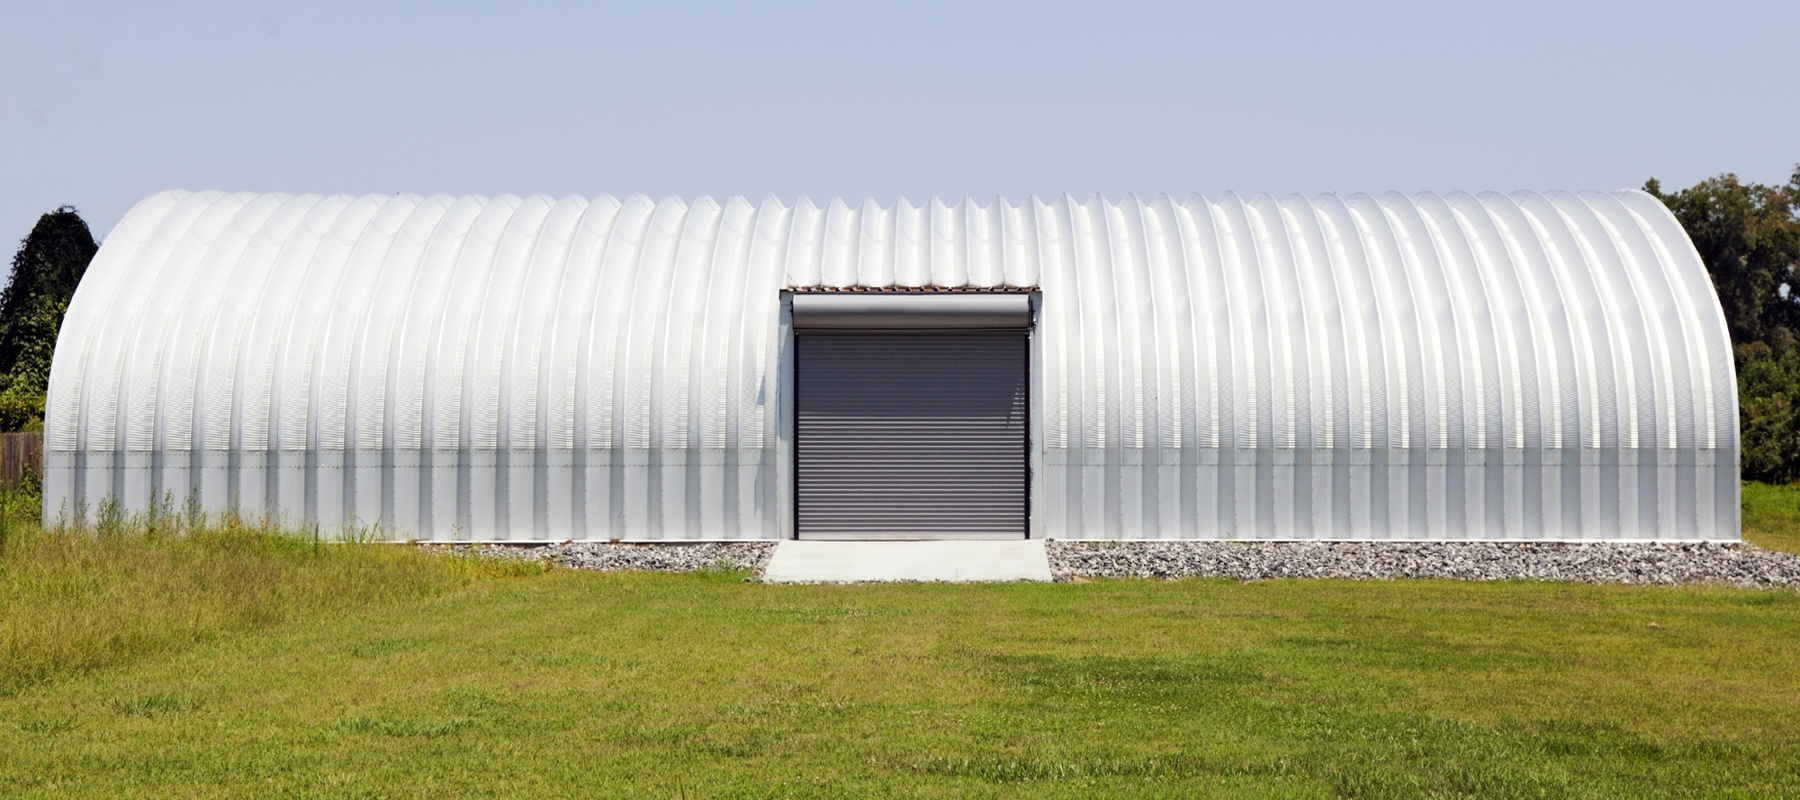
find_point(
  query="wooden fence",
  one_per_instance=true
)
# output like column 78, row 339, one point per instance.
column 21, row 455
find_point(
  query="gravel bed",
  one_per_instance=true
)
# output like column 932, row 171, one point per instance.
column 1663, row 564
column 1650, row 563
column 657, row 557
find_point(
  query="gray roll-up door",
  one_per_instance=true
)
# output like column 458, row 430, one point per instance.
column 911, row 434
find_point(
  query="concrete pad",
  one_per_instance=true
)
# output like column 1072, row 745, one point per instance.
column 856, row 562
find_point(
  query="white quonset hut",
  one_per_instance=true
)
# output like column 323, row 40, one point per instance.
column 1526, row 366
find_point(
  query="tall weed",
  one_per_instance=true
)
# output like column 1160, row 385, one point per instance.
column 79, row 596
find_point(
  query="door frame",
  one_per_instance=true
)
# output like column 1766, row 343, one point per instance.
column 787, row 496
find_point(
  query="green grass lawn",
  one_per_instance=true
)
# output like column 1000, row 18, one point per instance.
column 167, row 658
column 584, row 685
column 1772, row 516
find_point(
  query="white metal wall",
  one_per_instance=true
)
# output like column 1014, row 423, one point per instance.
column 1524, row 366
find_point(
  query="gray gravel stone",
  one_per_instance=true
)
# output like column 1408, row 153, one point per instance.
column 1650, row 563
column 1659, row 563
column 652, row 557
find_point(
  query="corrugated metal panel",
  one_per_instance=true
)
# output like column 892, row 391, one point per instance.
column 911, row 435
column 1523, row 366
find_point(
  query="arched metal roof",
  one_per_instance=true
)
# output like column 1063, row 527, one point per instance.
column 1458, row 366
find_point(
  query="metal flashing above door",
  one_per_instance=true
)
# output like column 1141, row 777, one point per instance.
column 913, row 311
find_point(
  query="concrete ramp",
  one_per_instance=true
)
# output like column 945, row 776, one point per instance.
column 951, row 561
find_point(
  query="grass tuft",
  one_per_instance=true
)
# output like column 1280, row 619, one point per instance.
column 405, row 727
column 99, row 592
column 157, row 705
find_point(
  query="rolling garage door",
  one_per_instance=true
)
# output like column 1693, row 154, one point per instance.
column 912, row 416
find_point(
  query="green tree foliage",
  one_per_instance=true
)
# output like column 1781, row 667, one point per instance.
column 45, row 271
column 1768, row 390
column 1749, row 236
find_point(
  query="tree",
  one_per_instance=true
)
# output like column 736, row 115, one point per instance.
column 45, row 272
column 1769, row 428
column 1749, row 238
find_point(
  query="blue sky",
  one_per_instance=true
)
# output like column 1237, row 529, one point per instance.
column 102, row 104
